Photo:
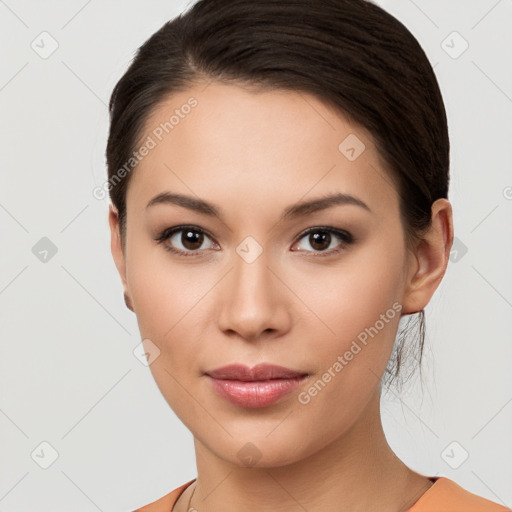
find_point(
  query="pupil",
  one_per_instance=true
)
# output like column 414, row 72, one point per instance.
column 320, row 237
column 192, row 240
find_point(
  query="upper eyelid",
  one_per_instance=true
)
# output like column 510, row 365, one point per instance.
column 169, row 232
column 177, row 229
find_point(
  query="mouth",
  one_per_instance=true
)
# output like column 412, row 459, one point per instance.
column 260, row 386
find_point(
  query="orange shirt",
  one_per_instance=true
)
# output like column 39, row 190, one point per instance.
column 443, row 496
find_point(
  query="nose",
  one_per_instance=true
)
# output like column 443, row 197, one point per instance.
column 254, row 302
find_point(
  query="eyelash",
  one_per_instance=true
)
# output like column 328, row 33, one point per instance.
column 345, row 236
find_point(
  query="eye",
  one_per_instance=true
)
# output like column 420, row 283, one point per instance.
column 320, row 239
column 190, row 240
column 184, row 240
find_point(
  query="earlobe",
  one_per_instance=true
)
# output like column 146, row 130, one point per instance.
column 117, row 251
column 128, row 302
column 429, row 261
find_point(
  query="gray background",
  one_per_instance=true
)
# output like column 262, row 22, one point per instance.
column 68, row 375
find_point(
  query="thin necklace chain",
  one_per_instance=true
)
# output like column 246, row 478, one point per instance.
column 190, row 499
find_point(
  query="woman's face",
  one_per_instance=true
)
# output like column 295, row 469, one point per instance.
column 252, row 286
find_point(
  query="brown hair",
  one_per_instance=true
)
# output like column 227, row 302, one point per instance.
column 351, row 54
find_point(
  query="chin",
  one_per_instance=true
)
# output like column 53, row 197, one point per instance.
column 254, row 447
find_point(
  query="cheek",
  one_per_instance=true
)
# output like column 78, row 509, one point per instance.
column 168, row 299
column 364, row 316
column 357, row 311
column 352, row 297
column 160, row 291
column 155, row 301
column 164, row 300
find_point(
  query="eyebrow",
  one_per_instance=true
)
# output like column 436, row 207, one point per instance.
column 296, row 210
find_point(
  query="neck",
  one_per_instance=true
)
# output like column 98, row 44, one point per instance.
column 357, row 472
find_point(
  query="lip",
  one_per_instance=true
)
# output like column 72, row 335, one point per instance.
column 260, row 386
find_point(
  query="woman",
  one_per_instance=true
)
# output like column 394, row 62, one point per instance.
column 279, row 178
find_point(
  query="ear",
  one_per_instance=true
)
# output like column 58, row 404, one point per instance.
column 117, row 251
column 428, row 262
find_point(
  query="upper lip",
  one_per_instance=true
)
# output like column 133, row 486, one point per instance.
column 261, row 371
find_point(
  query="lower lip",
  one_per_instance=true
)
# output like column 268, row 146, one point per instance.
column 256, row 393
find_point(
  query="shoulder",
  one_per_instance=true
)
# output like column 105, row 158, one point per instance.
column 165, row 503
column 445, row 495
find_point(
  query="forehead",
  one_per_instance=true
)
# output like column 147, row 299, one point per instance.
column 226, row 141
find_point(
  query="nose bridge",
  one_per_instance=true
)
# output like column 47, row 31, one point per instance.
column 250, row 284
column 252, row 302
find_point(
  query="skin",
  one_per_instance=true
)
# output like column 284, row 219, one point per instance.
column 253, row 155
